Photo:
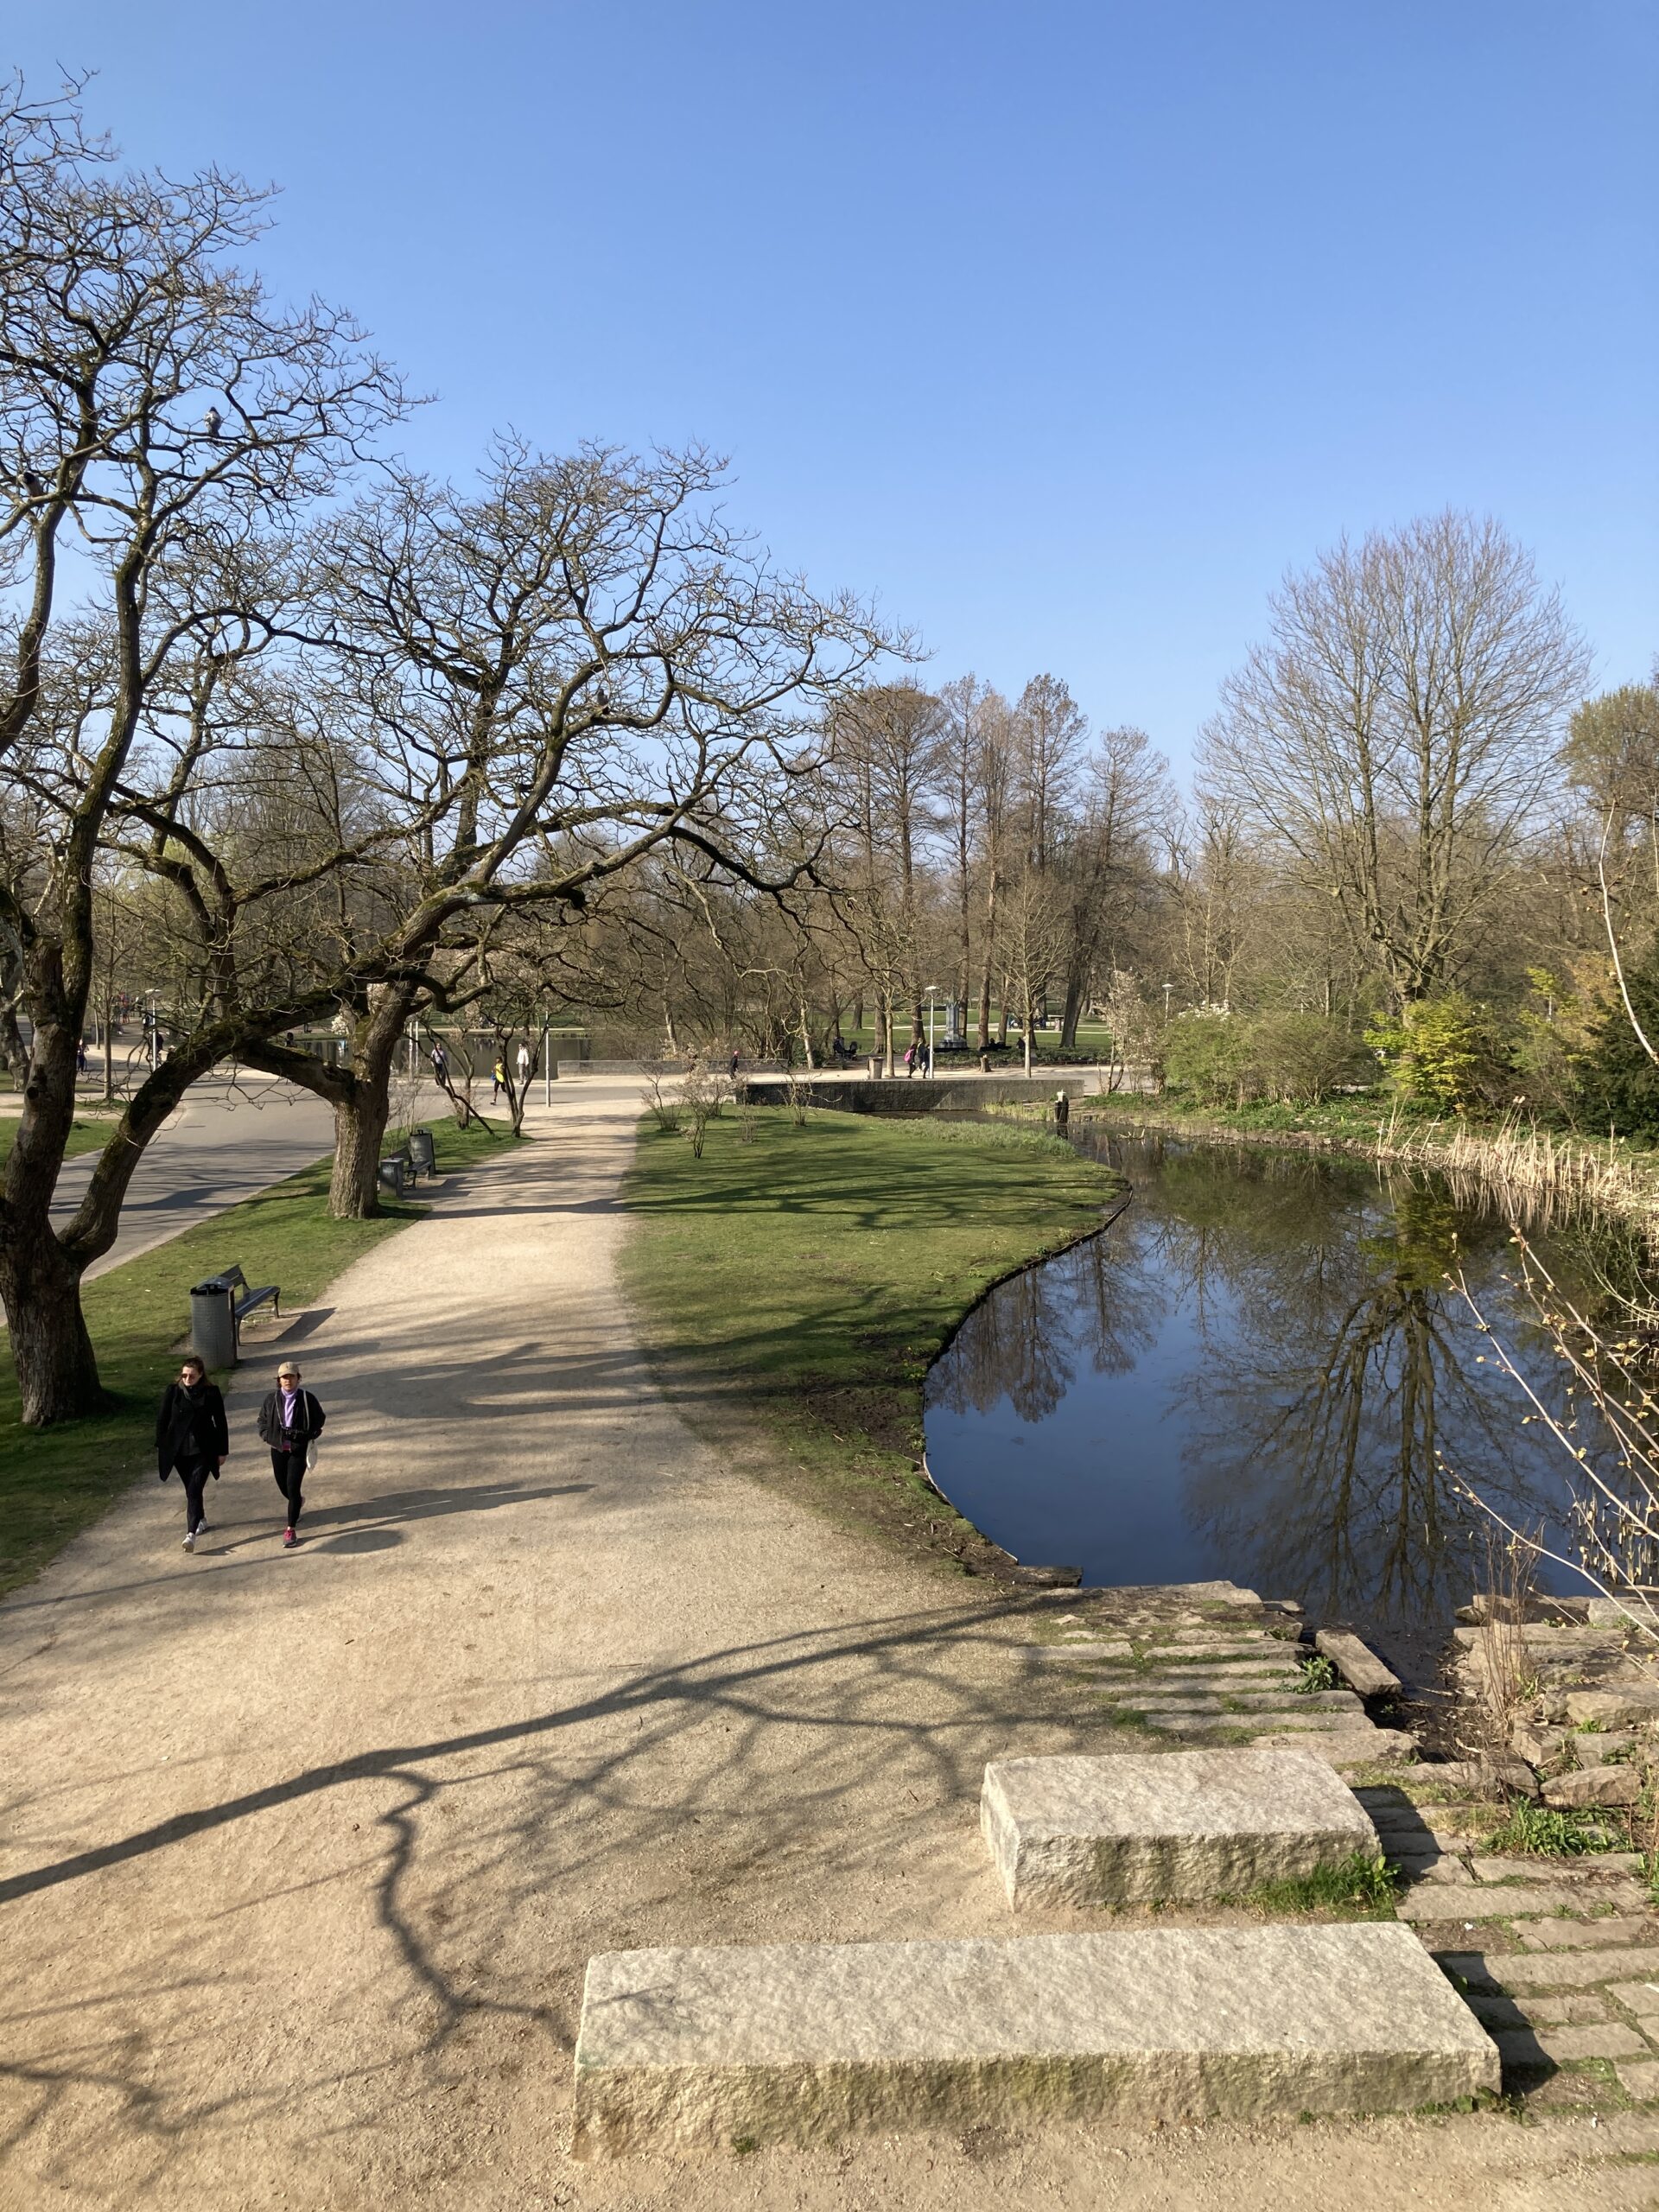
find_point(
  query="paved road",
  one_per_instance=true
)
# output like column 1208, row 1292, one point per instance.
column 302, row 1854
column 223, row 1143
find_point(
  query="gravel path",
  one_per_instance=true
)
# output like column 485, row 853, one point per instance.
column 303, row 1855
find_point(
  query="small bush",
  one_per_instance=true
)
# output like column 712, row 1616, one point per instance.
column 1444, row 1053
column 1207, row 1059
column 1300, row 1059
column 1620, row 1082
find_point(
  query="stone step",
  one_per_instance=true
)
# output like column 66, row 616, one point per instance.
column 1543, row 1970
column 1509, row 1900
column 1159, row 1827
column 1122, row 1682
column 1357, row 1663
column 1244, row 1701
column 1262, row 1724
column 1357, row 1745
column 807, row 2044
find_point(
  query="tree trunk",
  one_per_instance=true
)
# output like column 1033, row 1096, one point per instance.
column 57, row 1368
column 14, row 1053
column 360, row 1129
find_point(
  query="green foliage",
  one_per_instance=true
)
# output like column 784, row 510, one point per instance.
column 1317, row 1674
column 1230, row 1060
column 1207, row 1059
column 1300, row 1059
column 1443, row 1053
column 1620, row 1082
column 1538, row 1831
column 1360, row 1884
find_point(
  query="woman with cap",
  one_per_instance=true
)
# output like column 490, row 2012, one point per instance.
column 191, row 1435
column 289, row 1422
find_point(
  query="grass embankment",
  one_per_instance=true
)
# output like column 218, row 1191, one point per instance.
column 807, row 1279
column 84, row 1136
column 1526, row 1163
column 54, row 1481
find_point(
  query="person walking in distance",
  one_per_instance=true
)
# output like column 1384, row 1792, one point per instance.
column 191, row 1435
column 290, row 1420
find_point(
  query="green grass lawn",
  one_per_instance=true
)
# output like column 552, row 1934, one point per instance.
column 810, row 1277
column 84, row 1136
column 54, row 1481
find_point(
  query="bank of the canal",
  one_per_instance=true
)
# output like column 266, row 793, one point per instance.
column 793, row 1285
column 1264, row 1372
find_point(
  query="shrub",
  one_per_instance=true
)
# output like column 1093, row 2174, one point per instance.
column 1443, row 1053
column 1620, row 1082
column 1207, row 1059
column 1300, row 1059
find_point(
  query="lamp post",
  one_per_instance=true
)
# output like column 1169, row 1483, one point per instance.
column 1168, row 988
column 932, row 993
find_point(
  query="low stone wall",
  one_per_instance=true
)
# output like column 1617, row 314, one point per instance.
column 862, row 1094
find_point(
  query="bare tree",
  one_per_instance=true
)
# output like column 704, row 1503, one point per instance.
column 158, row 407
column 884, row 751
column 1395, row 735
column 575, row 667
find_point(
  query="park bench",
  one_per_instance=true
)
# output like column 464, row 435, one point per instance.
column 244, row 1298
column 217, row 1308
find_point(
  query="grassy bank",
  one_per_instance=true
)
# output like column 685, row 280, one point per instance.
column 1529, row 1166
column 54, row 1481
column 807, row 1280
column 84, row 1136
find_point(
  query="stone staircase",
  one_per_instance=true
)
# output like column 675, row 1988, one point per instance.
column 730, row 2047
column 1231, row 1672
column 804, row 2044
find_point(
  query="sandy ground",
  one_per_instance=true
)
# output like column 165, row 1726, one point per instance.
column 303, row 1854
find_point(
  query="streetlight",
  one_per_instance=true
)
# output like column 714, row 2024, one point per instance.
column 932, row 993
column 1168, row 988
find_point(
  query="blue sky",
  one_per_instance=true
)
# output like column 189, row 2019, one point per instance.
column 1063, row 329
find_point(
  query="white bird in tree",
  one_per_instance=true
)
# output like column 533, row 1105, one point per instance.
column 211, row 420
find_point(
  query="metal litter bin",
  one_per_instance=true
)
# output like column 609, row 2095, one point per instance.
column 391, row 1176
column 212, row 1323
column 422, row 1155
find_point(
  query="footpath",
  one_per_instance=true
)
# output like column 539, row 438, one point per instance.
column 302, row 1856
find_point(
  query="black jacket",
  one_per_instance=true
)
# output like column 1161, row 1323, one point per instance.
column 190, row 1426
column 309, row 1419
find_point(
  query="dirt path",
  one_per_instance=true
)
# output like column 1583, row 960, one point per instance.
column 303, row 1855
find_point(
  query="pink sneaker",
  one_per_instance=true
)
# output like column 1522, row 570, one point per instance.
column 288, row 1537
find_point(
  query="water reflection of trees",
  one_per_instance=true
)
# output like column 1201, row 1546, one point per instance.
column 1095, row 1302
column 1333, row 1370
column 1320, row 1418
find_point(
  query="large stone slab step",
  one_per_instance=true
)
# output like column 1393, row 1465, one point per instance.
column 1149, row 1827
column 808, row 2043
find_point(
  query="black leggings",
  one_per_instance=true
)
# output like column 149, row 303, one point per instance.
column 289, row 1467
column 194, row 1474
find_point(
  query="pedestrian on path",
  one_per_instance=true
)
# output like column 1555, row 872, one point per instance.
column 497, row 1080
column 524, row 1065
column 290, row 1421
column 191, row 1435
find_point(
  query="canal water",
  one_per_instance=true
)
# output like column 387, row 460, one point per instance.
column 1263, row 1371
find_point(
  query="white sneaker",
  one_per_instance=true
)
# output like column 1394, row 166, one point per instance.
column 190, row 1541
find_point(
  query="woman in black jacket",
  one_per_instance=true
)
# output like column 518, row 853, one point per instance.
column 191, row 1435
column 290, row 1420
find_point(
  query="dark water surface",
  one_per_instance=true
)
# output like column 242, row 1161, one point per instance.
column 1260, row 1372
